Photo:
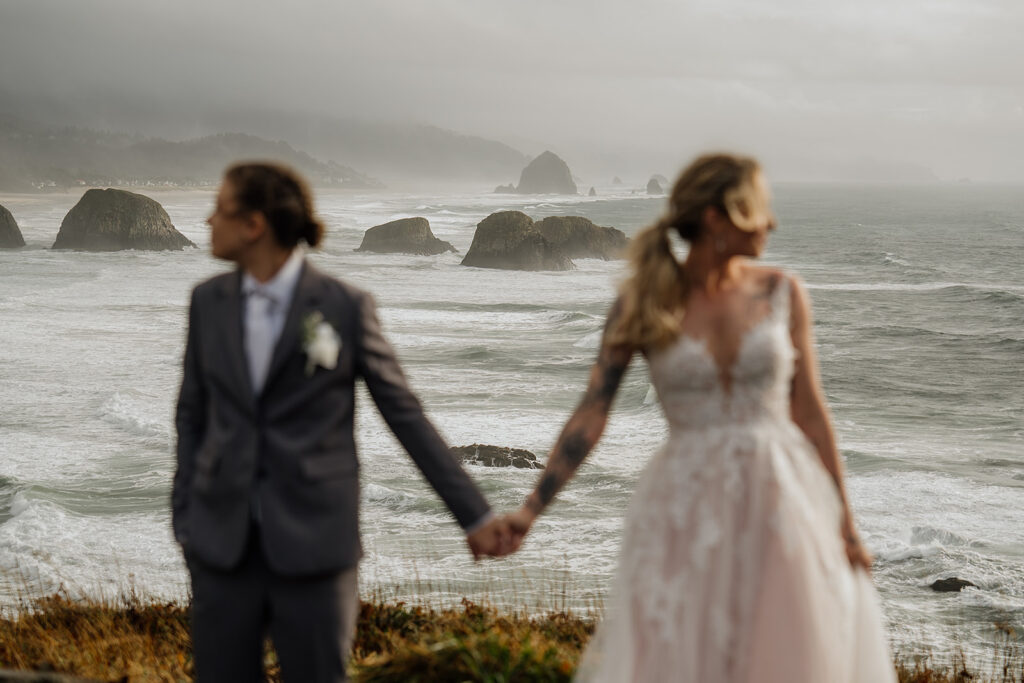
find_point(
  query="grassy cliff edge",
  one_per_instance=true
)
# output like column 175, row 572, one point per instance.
column 134, row 639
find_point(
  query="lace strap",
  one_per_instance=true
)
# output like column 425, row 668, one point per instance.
column 780, row 299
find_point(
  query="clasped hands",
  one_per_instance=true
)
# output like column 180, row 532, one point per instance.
column 502, row 535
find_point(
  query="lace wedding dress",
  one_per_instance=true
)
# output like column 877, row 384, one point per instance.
column 732, row 568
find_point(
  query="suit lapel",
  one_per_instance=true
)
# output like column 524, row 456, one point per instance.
column 231, row 326
column 304, row 302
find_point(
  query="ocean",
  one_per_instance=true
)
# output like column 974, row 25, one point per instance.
column 918, row 295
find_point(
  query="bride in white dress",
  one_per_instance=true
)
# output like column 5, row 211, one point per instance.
column 740, row 560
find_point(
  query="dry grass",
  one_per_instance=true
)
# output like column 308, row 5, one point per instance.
column 132, row 640
column 136, row 640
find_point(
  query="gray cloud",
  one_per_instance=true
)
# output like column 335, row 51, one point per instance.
column 810, row 85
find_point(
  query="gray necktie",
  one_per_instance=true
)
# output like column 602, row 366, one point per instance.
column 260, row 336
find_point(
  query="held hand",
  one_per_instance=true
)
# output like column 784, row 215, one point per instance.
column 494, row 539
column 519, row 523
column 855, row 550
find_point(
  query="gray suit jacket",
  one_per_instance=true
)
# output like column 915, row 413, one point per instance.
column 290, row 452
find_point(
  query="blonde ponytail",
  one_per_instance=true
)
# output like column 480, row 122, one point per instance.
column 652, row 296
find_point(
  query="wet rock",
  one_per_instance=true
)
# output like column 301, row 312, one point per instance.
column 578, row 237
column 654, row 187
column 496, row 456
column 511, row 241
column 111, row 220
column 10, row 235
column 404, row 236
column 592, row 193
column 951, row 585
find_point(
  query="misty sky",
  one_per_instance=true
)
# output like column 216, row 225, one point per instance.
column 813, row 86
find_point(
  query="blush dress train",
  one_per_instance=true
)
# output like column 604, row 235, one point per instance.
column 732, row 569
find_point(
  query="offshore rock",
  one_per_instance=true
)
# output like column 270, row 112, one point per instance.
column 616, row 180
column 547, row 174
column 578, row 237
column 505, row 189
column 404, row 236
column 111, row 220
column 510, row 240
column 10, row 235
column 592, row 193
column 951, row 585
column 654, row 187
column 496, row 456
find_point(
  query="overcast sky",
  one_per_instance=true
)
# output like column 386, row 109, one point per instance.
column 810, row 85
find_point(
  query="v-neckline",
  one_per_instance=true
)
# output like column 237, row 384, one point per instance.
column 724, row 372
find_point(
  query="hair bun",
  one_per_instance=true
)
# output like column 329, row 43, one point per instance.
column 313, row 232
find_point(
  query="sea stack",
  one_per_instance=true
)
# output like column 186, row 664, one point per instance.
column 112, row 220
column 578, row 237
column 404, row 236
column 654, row 187
column 509, row 240
column 10, row 235
column 547, row 174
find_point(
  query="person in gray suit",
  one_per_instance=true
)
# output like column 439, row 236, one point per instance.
column 265, row 500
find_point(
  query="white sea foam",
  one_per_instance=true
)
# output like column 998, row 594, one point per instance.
column 900, row 554
column 124, row 412
column 913, row 287
column 590, row 341
column 376, row 493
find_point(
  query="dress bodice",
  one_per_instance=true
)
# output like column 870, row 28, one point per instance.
column 689, row 381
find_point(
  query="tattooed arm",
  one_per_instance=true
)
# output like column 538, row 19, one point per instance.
column 581, row 432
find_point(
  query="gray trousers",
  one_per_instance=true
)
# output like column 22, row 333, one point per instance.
column 311, row 621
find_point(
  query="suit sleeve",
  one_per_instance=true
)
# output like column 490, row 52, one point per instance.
column 190, row 421
column 402, row 411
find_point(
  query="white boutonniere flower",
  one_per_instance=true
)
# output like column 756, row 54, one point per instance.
column 321, row 343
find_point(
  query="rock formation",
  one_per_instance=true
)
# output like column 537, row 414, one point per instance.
column 616, row 180
column 505, row 189
column 111, row 220
column 951, row 585
column 404, row 236
column 654, row 187
column 578, row 237
column 592, row 193
column 547, row 174
column 510, row 240
column 10, row 235
column 496, row 456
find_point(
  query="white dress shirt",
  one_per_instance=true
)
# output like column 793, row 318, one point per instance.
column 265, row 308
